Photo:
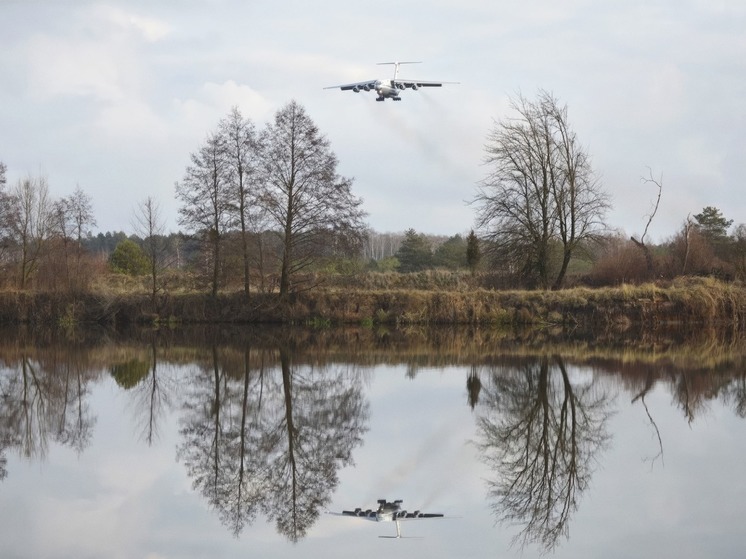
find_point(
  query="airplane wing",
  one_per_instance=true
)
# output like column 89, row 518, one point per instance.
column 416, row 84
column 359, row 86
column 389, row 512
column 371, row 515
column 363, row 515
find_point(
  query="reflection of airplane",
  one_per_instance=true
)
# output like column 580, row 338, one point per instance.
column 388, row 512
column 388, row 88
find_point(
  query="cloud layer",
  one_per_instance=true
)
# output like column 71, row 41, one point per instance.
column 113, row 96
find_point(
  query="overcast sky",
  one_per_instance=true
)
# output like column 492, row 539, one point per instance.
column 113, row 96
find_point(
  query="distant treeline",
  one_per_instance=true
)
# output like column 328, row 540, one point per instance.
column 613, row 260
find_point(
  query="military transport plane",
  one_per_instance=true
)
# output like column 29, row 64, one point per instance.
column 388, row 88
column 388, row 512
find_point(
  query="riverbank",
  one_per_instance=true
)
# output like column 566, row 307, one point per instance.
column 686, row 301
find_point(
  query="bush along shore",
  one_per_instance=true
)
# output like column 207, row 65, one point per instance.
column 689, row 301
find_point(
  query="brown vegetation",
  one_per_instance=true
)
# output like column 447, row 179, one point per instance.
column 683, row 301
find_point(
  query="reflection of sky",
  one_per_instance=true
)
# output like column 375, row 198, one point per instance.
column 123, row 498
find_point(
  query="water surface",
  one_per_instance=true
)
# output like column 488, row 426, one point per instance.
column 235, row 443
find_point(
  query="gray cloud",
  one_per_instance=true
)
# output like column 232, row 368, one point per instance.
column 114, row 95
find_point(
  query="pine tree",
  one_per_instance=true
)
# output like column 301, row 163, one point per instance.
column 473, row 252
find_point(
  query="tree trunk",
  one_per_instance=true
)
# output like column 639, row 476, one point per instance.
column 245, row 249
column 563, row 270
column 287, row 248
column 216, row 262
column 648, row 256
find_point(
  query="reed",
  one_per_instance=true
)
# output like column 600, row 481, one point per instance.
column 684, row 301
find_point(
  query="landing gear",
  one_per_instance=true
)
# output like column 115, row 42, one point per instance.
column 380, row 98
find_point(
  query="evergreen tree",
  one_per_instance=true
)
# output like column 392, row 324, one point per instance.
column 451, row 254
column 415, row 253
column 473, row 252
column 712, row 224
column 128, row 258
column 714, row 228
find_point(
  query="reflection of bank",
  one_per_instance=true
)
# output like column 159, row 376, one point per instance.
column 270, row 438
column 539, row 433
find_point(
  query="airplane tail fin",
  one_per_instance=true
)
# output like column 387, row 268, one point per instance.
column 398, row 535
column 396, row 66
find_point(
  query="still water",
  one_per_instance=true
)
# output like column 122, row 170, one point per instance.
column 236, row 443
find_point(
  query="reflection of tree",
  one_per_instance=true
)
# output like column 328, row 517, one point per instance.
column 129, row 373
column 473, row 387
column 242, row 499
column 270, row 441
column 649, row 383
column 202, row 431
column 39, row 401
column 691, row 395
column 26, row 391
column 540, row 434
column 324, row 420
column 735, row 394
column 152, row 395
column 74, row 421
column 3, row 460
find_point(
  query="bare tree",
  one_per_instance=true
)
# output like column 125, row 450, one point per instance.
column 540, row 190
column 302, row 193
column 29, row 223
column 739, row 251
column 70, row 219
column 205, row 202
column 149, row 225
column 515, row 211
column 687, row 231
column 5, row 237
column 658, row 183
column 239, row 136
column 580, row 202
column 379, row 246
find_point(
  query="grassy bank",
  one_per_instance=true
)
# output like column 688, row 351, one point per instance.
column 686, row 301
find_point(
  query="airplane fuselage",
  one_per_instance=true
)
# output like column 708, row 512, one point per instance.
column 387, row 89
column 384, row 88
column 387, row 511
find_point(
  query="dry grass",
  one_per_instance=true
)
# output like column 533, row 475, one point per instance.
column 121, row 298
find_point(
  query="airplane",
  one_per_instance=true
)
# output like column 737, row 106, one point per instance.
column 388, row 512
column 389, row 89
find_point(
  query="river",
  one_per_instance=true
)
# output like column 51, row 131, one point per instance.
column 239, row 442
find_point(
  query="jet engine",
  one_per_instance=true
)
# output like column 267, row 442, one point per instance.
column 414, row 86
column 356, row 89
